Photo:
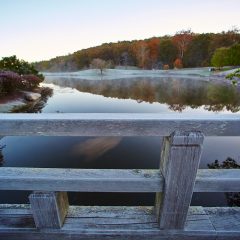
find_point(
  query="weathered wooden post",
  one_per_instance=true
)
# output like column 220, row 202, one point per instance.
column 49, row 209
column 180, row 157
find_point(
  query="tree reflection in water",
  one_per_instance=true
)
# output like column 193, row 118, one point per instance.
column 37, row 106
column 178, row 94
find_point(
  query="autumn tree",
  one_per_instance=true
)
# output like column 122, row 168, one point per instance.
column 197, row 53
column 168, row 52
column 122, row 53
column 233, row 34
column 98, row 63
column 182, row 39
column 178, row 63
column 142, row 54
column 153, row 46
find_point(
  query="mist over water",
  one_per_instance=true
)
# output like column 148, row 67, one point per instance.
column 141, row 95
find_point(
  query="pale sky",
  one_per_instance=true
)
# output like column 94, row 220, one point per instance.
column 42, row 29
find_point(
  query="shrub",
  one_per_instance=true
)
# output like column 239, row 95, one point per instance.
column 220, row 57
column 226, row 56
column 178, row 63
column 31, row 81
column 9, row 81
column 233, row 75
column 18, row 66
column 166, row 67
column 234, row 82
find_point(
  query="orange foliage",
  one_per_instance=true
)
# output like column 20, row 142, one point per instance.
column 178, row 63
column 153, row 46
column 141, row 50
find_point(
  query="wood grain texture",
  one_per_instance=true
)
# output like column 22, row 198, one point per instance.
column 110, row 180
column 181, row 153
column 79, row 180
column 108, row 223
column 116, row 124
column 226, row 222
column 121, row 223
column 217, row 180
column 49, row 209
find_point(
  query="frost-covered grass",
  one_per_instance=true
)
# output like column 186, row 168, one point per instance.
column 93, row 74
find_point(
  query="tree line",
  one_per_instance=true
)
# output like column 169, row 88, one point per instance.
column 184, row 49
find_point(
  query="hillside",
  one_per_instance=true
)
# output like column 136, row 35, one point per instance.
column 184, row 49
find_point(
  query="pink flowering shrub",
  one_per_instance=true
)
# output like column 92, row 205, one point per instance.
column 31, row 81
column 10, row 81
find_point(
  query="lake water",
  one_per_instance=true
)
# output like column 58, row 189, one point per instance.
column 135, row 95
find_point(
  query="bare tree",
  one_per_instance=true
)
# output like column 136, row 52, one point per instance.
column 142, row 53
column 100, row 64
column 233, row 34
column 182, row 39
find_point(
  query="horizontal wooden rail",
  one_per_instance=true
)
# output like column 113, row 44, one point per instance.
column 104, row 124
column 105, row 180
column 135, row 223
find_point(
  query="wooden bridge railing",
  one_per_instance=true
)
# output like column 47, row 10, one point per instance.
column 172, row 217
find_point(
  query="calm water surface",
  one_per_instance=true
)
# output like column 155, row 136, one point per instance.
column 139, row 95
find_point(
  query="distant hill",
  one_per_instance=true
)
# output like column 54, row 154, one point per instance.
column 184, row 49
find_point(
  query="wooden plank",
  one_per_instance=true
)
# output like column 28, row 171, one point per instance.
column 15, row 209
column 225, row 218
column 197, row 219
column 84, row 180
column 226, row 221
column 105, row 124
column 217, row 180
column 181, row 153
column 113, row 223
column 63, row 205
column 113, row 235
column 49, row 209
column 110, row 180
column 81, row 223
column 180, row 138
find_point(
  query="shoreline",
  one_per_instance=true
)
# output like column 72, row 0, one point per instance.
column 202, row 74
column 23, row 99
